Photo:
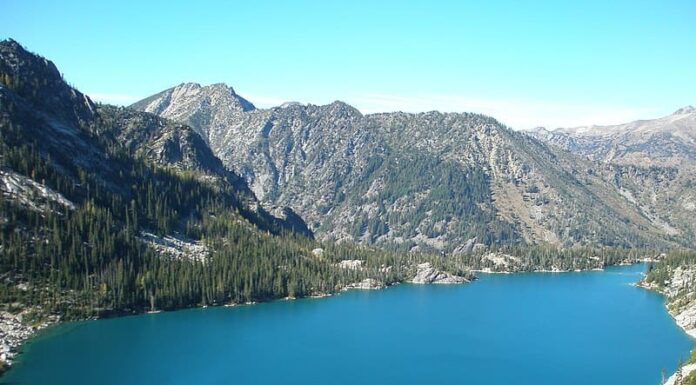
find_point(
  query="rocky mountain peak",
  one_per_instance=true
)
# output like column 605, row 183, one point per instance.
column 419, row 181
column 38, row 81
column 196, row 105
column 344, row 109
column 290, row 104
column 685, row 110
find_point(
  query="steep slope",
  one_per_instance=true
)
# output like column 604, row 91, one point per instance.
column 37, row 79
column 211, row 109
column 651, row 162
column 415, row 181
column 69, row 128
column 175, row 145
column 109, row 210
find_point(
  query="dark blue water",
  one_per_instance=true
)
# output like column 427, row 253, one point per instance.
column 588, row 328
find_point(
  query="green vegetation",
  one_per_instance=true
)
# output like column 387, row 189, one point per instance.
column 660, row 272
column 440, row 192
column 90, row 260
column 690, row 379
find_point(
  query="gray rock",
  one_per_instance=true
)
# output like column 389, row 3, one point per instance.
column 426, row 273
column 426, row 181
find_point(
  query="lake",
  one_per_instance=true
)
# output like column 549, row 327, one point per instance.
column 538, row 328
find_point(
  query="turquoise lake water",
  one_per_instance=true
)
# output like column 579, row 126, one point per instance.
column 588, row 328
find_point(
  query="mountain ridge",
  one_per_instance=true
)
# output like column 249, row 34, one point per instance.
column 342, row 159
column 666, row 141
column 71, row 128
column 652, row 162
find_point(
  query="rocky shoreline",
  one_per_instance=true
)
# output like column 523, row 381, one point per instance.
column 14, row 331
column 681, row 298
column 427, row 274
column 678, row 289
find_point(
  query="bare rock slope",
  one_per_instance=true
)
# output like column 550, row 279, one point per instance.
column 427, row 181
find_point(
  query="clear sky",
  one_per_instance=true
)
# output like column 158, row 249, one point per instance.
column 527, row 63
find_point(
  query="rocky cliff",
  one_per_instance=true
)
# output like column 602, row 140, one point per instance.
column 652, row 163
column 428, row 181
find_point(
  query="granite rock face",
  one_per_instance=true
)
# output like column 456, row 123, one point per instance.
column 423, row 182
column 14, row 331
column 366, row 284
column 427, row 274
column 679, row 288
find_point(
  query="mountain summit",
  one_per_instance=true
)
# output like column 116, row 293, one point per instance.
column 685, row 110
column 38, row 80
column 427, row 181
column 198, row 106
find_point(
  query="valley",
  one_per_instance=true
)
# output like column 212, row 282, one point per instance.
column 194, row 197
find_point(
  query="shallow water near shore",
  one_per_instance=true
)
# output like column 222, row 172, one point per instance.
column 537, row 328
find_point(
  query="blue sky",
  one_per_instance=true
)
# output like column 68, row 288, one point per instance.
column 527, row 63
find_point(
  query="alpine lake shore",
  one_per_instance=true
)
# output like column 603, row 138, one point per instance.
column 20, row 326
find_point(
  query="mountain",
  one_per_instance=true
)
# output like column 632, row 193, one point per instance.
column 210, row 108
column 109, row 210
column 669, row 141
column 177, row 146
column 651, row 162
column 69, row 125
column 428, row 181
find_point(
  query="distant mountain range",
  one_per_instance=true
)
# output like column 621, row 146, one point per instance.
column 652, row 163
column 669, row 141
column 433, row 181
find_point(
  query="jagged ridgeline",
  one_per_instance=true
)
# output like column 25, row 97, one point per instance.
column 442, row 182
column 651, row 162
column 108, row 209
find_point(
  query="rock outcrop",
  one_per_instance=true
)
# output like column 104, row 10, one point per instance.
column 176, row 248
column 366, row 284
column 685, row 371
column 426, row 274
column 14, row 331
column 350, row 264
column 680, row 290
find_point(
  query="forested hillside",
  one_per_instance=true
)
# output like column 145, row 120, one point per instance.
column 107, row 210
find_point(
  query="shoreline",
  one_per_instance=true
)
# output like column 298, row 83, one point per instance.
column 14, row 334
column 681, row 316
